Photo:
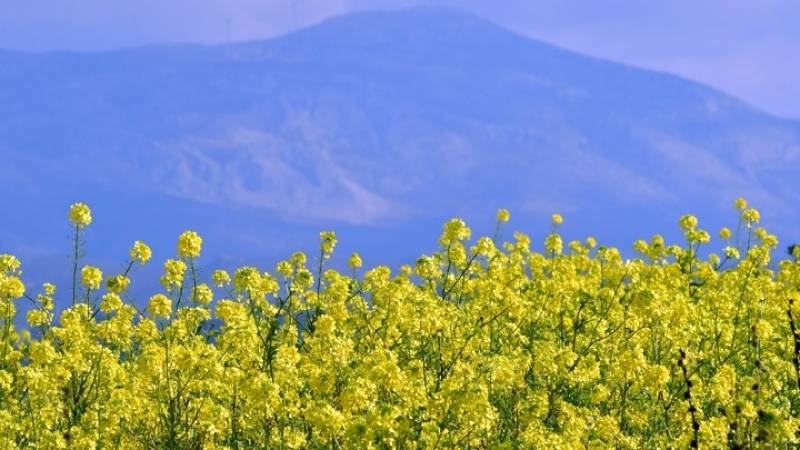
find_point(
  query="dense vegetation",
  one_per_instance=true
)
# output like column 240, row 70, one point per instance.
column 480, row 345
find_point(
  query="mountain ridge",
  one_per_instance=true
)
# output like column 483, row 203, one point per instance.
column 422, row 121
column 349, row 20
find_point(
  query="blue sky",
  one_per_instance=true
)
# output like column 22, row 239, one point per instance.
column 239, row 182
column 747, row 48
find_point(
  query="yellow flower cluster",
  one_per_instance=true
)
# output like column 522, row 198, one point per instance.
column 140, row 253
column 91, row 277
column 327, row 241
column 486, row 345
column 202, row 294
column 80, row 215
column 11, row 287
column 503, row 215
column 174, row 272
column 160, row 306
column 220, row 278
column 189, row 244
column 354, row 261
column 117, row 283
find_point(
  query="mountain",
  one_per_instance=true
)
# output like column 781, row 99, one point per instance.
column 380, row 125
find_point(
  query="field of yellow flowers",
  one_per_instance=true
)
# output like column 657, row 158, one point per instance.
column 480, row 345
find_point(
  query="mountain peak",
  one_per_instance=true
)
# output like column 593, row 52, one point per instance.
column 416, row 18
column 410, row 29
column 399, row 116
column 427, row 36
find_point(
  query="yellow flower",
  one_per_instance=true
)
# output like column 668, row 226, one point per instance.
column 45, row 302
column 298, row 259
column 503, row 215
column 657, row 241
column 247, row 279
column 117, row 283
column 713, row 259
column 91, row 277
column 454, row 230
column 523, row 240
column 9, row 263
column 751, row 216
column 203, row 294
column 327, row 241
column 80, row 215
column 485, row 247
column 731, row 252
column 354, row 262
column 553, row 244
column 220, row 278
column 284, row 268
column 110, row 302
column 38, row 317
column 189, row 244
column 11, row 287
column 688, row 222
column 770, row 240
column 725, row 233
column 427, row 267
column 160, row 306
column 174, row 271
column 140, row 252
column 556, row 219
column 656, row 377
column 49, row 289
column 740, row 204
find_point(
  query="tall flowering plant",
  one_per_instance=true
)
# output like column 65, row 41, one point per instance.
column 482, row 344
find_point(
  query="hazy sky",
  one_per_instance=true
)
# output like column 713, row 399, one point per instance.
column 748, row 48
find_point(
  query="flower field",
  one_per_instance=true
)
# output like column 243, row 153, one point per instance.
column 483, row 344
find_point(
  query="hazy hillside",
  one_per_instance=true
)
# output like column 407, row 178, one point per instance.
column 379, row 125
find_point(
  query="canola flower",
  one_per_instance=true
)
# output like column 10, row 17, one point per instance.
column 327, row 241
column 202, row 294
column 220, row 278
column 140, row 253
column 80, row 215
column 160, row 306
column 11, row 287
column 740, row 204
column 174, row 274
column 482, row 344
column 91, row 277
column 354, row 261
column 117, row 283
column 9, row 263
column 503, row 215
column 110, row 302
column 189, row 244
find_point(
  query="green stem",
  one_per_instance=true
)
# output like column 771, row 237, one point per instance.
column 194, row 280
column 75, row 257
column 6, row 333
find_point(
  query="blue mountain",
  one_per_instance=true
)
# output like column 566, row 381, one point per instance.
column 379, row 125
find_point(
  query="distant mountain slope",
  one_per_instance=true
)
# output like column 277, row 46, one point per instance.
column 380, row 125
